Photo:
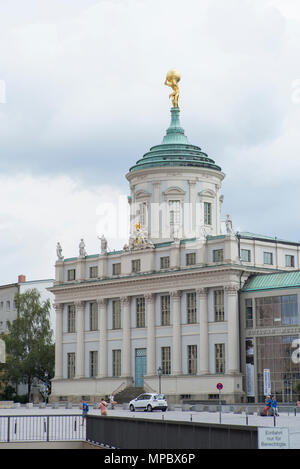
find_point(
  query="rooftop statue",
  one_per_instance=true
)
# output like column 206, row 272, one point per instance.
column 172, row 80
column 82, row 251
column 59, row 252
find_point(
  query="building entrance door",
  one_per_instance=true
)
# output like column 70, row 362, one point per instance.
column 140, row 366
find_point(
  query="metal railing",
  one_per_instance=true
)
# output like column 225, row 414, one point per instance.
column 41, row 428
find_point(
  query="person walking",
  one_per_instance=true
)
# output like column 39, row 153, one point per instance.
column 268, row 405
column 85, row 409
column 112, row 400
column 103, row 407
column 274, row 407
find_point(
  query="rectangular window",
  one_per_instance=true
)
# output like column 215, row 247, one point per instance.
column 116, row 314
column 116, row 371
column 249, row 312
column 116, row 268
column 191, row 258
column 207, row 213
column 289, row 261
column 165, row 310
column 245, row 255
column 71, row 365
column 217, row 255
column 191, row 308
column 175, row 212
column 71, row 274
column 143, row 214
column 268, row 258
column 94, row 271
column 192, row 359
column 220, row 358
column 166, row 360
column 219, row 305
column 8, row 305
column 277, row 311
column 93, row 317
column 140, row 312
column 136, row 265
column 93, row 364
column 71, row 318
column 165, row 262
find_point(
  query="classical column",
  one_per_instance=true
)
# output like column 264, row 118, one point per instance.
column 233, row 328
column 192, row 208
column 176, row 302
column 79, row 370
column 59, row 308
column 150, row 309
column 203, row 353
column 126, row 341
column 155, row 229
column 102, row 310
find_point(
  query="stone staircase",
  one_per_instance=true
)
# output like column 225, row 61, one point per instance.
column 127, row 394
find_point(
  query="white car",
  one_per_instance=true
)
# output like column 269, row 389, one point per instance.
column 149, row 402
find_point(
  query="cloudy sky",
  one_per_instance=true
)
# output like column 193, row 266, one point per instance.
column 82, row 98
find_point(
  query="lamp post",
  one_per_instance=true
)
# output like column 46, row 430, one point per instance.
column 159, row 372
column 46, row 387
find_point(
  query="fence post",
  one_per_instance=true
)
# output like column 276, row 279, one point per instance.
column 8, row 429
column 48, row 420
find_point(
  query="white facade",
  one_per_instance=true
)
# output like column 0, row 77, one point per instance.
column 169, row 299
column 8, row 310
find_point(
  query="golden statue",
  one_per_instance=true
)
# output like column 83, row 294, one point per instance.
column 172, row 80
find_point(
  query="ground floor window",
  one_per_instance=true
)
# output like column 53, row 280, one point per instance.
column 192, row 359
column 220, row 358
column 71, row 365
column 276, row 353
column 93, row 363
column 116, row 362
column 166, row 360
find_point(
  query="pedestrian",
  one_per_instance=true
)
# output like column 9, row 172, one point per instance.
column 268, row 405
column 112, row 400
column 274, row 407
column 103, row 407
column 85, row 409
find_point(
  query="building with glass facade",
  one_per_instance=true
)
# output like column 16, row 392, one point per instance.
column 270, row 326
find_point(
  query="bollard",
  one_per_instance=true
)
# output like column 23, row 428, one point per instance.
column 191, row 418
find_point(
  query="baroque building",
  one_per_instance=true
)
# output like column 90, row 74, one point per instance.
column 169, row 301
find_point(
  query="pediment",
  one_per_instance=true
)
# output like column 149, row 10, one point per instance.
column 171, row 191
column 207, row 193
column 141, row 194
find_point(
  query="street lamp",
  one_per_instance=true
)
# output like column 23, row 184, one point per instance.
column 159, row 372
column 46, row 386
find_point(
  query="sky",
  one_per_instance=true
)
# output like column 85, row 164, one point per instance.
column 82, row 98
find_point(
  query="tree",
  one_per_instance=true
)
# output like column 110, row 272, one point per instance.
column 30, row 351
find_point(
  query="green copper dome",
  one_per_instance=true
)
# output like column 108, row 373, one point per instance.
column 175, row 150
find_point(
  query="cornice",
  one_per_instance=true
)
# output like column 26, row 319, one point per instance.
column 208, row 272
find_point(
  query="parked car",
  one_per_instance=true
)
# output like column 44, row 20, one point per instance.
column 149, row 402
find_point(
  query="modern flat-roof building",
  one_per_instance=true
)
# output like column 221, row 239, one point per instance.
column 270, row 333
column 169, row 300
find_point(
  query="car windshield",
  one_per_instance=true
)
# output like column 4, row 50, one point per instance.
column 159, row 396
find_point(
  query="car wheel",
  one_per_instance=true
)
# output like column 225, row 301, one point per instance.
column 164, row 410
column 132, row 409
column 149, row 408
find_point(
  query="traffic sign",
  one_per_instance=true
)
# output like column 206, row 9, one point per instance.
column 219, row 386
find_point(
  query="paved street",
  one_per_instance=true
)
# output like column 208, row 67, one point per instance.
column 284, row 420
